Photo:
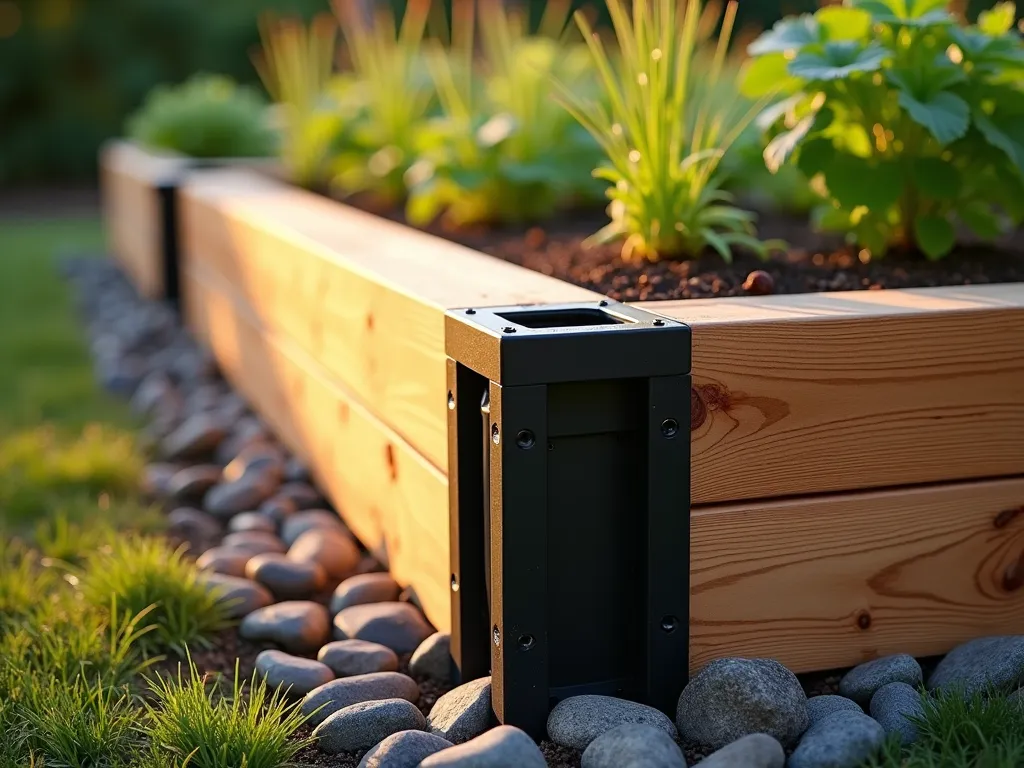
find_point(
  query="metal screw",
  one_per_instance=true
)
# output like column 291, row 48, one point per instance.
column 602, row 303
column 670, row 428
column 669, row 624
column 525, row 439
column 455, row 583
column 451, row 401
column 508, row 329
column 526, row 642
column 495, row 434
column 470, row 311
column 496, row 634
column 659, row 322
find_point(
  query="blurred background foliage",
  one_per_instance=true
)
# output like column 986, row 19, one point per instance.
column 71, row 71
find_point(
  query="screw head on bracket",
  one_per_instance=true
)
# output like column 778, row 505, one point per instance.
column 508, row 329
column 451, row 401
column 470, row 311
column 495, row 434
column 669, row 624
column 526, row 642
column 659, row 322
column 496, row 635
column 525, row 439
column 670, row 428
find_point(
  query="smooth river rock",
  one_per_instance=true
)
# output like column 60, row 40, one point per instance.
column 405, row 749
column 758, row 750
column 295, row 524
column 433, row 658
column 731, row 698
column 246, row 493
column 360, row 726
column 819, row 707
column 578, row 720
column 841, row 740
column 463, row 713
column 298, row 626
column 399, row 626
column 324, row 701
column 257, row 542
column 195, row 438
column 252, row 521
column 287, row 579
column 978, row 665
column 297, row 675
column 332, row 549
column 895, row 706
column 364, row 588
column 192, row 483
column 503, row 747
column 240, row 596
column 226, row 560
column 861, row 682
column 357, row 657
column 633, row 744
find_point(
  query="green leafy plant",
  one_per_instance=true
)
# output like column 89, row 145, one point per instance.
column 207, row 116
column 664, row 133
column 503, row 150
column 384, row 95
column 191, row 724
column 296, row 63
column 144, row 573
column 909, row 123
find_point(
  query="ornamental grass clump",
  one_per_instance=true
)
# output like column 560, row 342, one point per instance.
column 503, row 150
column 145, row 573
column 296, row 64
column 910, row 125
column 384, row 95
column 190, row 723
column 664, row 129
column 208, row 116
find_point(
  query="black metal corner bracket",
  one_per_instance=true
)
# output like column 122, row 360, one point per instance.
column 569, row 488
column 167, row 191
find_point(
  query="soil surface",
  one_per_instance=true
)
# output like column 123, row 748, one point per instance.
column 813, row 263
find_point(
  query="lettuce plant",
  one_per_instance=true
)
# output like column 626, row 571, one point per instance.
column 384, row 95
column 502, row 149
column 664, row 129
column 909, row 123
column 206, row 116
column 295, row 63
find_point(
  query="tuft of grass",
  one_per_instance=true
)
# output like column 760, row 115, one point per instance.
column 385, row 95
column 143, row 574
column 191, row 724
column 665, row 131
column 80, row 724
column 295, row 63
column 954, row 731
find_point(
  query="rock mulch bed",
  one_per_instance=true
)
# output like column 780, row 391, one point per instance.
column 318, row 614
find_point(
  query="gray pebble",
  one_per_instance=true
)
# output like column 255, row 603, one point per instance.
column 287, row 579
column 978, row 665
column 332, row 549
column 357, row 657
column 251, row 541
column 364, row 588
column 259, row 458
column 248, row 431
column 248, row 492
column 278, row 509
column 819, row 707
column 191, row 483
column 633, row 746
column 578, row 720
column 501, row 747
column 463, row 713
column 155, row 387
column 399, row 626
column 324, row 701
column 299, row 676
column 861, row 682
column 296, row 471
column 758, row 750
column 193, row 525
column 156, row 477
column 360, row 726
column 433, row 658
column 841, row 740
column 731, row 698
column 894, row 706
column 297, row 626
column 252, row 521
column 195, row 438
column 405, row 749
column 297, row 523
column 230, row 562
column 1017, row 697
column 240, row 596
column 304, row 495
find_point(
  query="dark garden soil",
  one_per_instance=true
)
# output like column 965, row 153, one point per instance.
column 814, row 262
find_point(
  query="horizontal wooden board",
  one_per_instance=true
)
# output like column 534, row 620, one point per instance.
column 391, row 498
column 840, row 391
column 364, row 296
column 831, row 581
column 131, row 207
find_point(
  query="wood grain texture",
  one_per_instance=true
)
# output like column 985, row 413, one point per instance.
column 131, row 208
column 364, row 296
column 389, row 495
column 841, row 391
column 835, row 580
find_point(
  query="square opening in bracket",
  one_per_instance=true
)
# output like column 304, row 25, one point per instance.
column 576, row 317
